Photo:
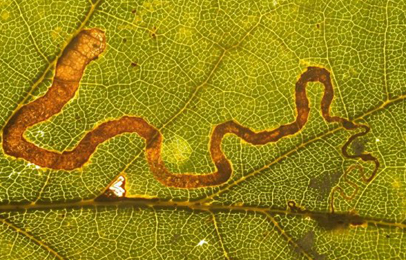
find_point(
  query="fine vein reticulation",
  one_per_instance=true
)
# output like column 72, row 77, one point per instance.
column 87, row 46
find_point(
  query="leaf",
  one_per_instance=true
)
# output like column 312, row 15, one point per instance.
column 328, row 189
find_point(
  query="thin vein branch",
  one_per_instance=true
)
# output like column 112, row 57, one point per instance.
column 32, row 238
column 286, row 236
column 219, row 236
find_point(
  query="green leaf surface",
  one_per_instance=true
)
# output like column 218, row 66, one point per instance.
column 186, row 67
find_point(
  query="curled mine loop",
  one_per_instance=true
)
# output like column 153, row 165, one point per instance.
column 87, row 46
column 340, row 191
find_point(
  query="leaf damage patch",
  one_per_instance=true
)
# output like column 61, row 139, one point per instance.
column 307, row 243
column 86, row 47
column 329, row 221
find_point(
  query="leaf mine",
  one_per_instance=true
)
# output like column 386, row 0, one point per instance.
column 87, row 46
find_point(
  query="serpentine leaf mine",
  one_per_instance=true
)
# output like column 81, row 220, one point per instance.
column 87, row 46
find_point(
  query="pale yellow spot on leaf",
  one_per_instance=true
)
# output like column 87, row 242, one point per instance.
column 396, row 184
column 5, row 15
column 177, row 150
column 56, row 33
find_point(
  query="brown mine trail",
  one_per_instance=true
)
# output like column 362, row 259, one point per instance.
column 87, row 46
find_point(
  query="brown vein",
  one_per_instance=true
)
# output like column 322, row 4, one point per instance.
column 326, row 219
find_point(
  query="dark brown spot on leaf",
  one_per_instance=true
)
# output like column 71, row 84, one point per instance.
column 175, row 238
column 324, row 183
column 335, row 221
column 154, row 32
column 306, row 243
column 358, row 146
